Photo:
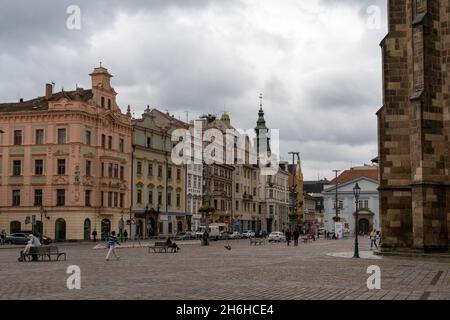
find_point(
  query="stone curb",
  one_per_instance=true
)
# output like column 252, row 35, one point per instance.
column 411, row 255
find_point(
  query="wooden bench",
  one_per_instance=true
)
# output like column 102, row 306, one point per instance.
column 44, row 252
column 255, row 241
column 160, row 247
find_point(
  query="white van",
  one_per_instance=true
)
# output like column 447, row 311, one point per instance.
column 214, row 232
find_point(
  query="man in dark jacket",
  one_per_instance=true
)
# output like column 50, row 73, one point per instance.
column 288, row 237
column 296, row 236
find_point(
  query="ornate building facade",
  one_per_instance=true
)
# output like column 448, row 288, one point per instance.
column 64, row 162
column 159, row 191
column 414, row 126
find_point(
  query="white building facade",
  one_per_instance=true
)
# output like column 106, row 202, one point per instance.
column 368, row 205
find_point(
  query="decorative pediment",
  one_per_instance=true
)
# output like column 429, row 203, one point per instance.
column 60, row 180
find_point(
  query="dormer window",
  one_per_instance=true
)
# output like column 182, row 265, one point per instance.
column 103, row 102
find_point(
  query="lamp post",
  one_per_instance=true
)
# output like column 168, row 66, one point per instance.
column 43, row 213
column 356, row 192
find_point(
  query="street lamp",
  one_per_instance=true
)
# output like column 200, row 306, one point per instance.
column 43, row 214
column 356, row 193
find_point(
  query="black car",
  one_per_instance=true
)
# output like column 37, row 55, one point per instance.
column 23, row 237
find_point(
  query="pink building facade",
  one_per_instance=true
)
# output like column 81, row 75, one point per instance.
column 64, row 162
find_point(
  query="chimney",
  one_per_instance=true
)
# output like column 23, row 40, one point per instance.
column 48, row 90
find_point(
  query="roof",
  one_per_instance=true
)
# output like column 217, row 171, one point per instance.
column 314, row 186
column 41, row 103
column 355, row 173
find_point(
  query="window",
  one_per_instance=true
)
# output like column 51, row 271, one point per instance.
column 121, row 145
column 116, row 171
column 60, row 197
column 88, row 137
column 103, row 102
column 122, row 200
column 16, row 198
column 102, row 199
column 17, row 167
column 109, row 142
column 271, row 210
column 61, row 166
column 254, row 192
column 150, row 170
column 237, row 187
column 178, row 200
column 340, row 204
column 159, row 171
column 139, row 168
column 40, row 136
column 38, row 197
column 39, row 167
column 103, row 141
column 190, row 180
column 139, row 196
column 122, row 173
column 88, row 168
column 169, row 173
column 116, row 199
column 61, row 136
column 150, row 197
column 178, row 174
column 254, row 207
column 270, row 194
column 110, row 170
column 237, row 205
column 169, row 199
column 17, row 137
column 170, row 227
column 215, row 204
column 103, row 169
column 109, row 104
column 149, row 142
column 110, row 197
column 159, row 198
column 87, row 198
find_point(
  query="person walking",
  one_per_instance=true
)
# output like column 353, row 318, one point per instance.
column 94, row 235
column 296, row 236
column 112, row 242
column 288, row 237
column 125, row 234
column 373, row 239
column 3, row 237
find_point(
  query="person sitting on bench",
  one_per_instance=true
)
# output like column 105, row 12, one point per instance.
column 32, row 242
column 171, row 244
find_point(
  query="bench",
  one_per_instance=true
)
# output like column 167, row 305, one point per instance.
column 160, row 247
column 44, row 252
column 255, row 241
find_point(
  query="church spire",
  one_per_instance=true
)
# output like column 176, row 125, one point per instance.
column 261, row 123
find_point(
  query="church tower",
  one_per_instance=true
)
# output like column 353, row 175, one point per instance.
column 262, row 142
column 414, row 127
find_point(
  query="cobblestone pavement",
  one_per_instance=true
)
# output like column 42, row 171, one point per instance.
column 274, row 271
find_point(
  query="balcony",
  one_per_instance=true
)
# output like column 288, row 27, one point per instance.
column 112, row 182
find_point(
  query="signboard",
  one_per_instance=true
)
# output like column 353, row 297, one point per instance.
column 339, row 229
column 133, row 220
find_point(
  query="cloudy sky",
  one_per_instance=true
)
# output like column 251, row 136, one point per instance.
column 317, row 62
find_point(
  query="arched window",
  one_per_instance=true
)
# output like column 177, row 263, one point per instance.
column 103, row 102
column 87, row 229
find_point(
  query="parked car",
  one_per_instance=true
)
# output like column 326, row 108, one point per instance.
column 22, row 238
column 235, row 235
column 225, row 235
column 248, row 234
column 188, row 235
column 277, row 236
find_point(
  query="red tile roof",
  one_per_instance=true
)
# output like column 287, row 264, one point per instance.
column 353, row 174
